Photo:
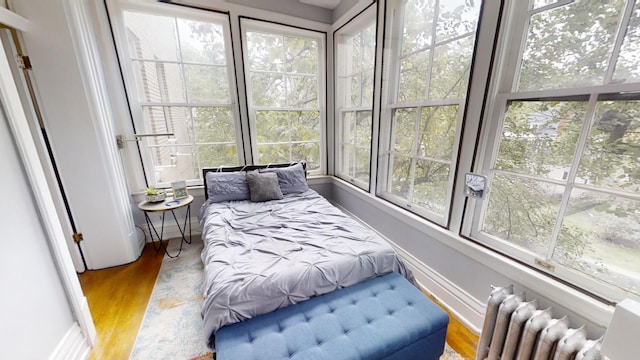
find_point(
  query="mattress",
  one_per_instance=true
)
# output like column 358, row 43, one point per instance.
column 262, row 256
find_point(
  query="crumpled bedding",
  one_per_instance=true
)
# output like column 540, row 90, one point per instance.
column 259, row 257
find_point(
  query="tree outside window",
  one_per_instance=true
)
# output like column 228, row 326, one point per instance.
column 284, row 76
column 428, row 53
column 565, row 174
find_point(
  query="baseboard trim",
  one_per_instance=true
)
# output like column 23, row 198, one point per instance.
column 469, row 310
column 73, row 345
column 171, row 229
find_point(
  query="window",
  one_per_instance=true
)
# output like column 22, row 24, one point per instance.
column 428, row 51
column 285, row 76
column 181, row 90
column 355, row 45
column 563, row 145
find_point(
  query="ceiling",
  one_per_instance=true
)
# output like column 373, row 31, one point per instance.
column 327, row 4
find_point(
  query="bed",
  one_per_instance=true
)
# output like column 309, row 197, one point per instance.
column 263, row 255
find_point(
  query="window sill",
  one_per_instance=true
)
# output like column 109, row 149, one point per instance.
column 581, row 304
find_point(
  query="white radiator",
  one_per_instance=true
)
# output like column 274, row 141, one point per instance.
column 515, row 329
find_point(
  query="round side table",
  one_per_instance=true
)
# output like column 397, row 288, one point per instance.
column 169, row 204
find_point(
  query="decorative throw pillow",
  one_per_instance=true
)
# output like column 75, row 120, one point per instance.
column 292, row 179
column 227, row 186
column 263, row 187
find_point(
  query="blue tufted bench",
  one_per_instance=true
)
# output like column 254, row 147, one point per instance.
column 382, row 318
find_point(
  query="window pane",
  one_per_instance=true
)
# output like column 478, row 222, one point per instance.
column 404, row 129
column 302, row 55
column 355, row 47
column 348, row 159
column 152, row 37
column 400, row 176
column 456, row 18
column 159, row 82
column 180, row 61
column 309, row 152
column 302, row 91
column 369, row 46
column 522, row 212
column 157, row 121
column 305, row 125
column 437, row 132
column 367, row 89
column 348, row 127
column 272, row 126
column 273, row 153
column 207, row 84
column 266, row 51
column 268, row 90
column 201, row 42
column 217, row 155
column 612, row 155
column 628, row 65
column 362, row 164
column 171, row 163
column 363, row 129
column 540, row 137
column 599, row 237
column 353, row 91
column 430, row 187
column 213, row 124
column 413, row 77
column 453, row 76
column 569, row 46
column 291, row 83
column 418, row 25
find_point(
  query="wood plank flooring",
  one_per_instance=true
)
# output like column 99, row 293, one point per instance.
column 118, row 298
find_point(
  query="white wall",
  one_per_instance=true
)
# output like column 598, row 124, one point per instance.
column 458, row 272
column 35, row 312
column 80, row 130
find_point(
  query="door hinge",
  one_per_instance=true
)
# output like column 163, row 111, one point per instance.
column 77, row 237
column 24, row 62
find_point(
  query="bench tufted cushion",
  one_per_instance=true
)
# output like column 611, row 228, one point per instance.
column 382, row 318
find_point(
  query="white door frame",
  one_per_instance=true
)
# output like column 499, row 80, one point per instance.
column 18, row 122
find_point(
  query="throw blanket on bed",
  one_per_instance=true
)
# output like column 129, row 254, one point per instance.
column 259, row 257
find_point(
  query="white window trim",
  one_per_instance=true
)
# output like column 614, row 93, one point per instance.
column 392, row 56
column 355, row 25
column 248, row 25
column 501, row 91
column 116, row 9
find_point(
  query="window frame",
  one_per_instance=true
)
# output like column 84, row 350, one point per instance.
column 502, row 90
column 394, row 25
column 116, row 11
column 248, row 24
column 356, row 26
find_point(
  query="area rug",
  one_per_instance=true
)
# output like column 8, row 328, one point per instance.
column 172, row 326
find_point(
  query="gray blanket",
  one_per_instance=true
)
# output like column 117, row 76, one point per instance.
column 259, row 257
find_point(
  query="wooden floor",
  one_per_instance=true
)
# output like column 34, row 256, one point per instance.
column 118, row 298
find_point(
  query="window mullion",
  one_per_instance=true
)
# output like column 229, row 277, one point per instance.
column 432, row 50
column 620, row 35
column 573, row 170
column 414, row 156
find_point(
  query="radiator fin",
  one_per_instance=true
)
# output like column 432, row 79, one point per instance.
column 515, row 329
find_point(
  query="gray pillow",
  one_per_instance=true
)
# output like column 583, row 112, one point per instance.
column 263, row 187
column 292, row 179
column 227, row 186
